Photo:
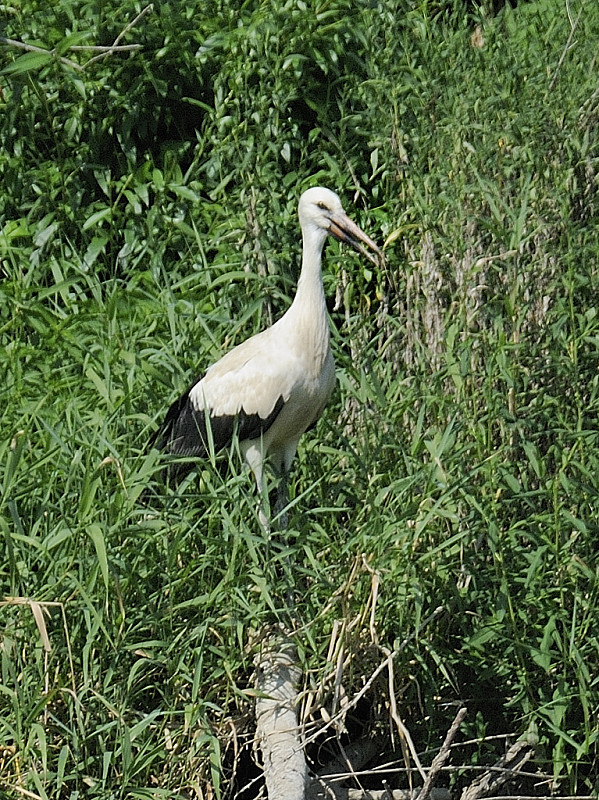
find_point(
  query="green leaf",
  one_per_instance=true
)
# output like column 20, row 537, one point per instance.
column 96, row 534
column 28, row 63
column 72, row 39
column 96, row 246
column 96, row 217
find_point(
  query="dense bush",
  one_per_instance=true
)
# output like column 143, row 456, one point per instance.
column 147, row 223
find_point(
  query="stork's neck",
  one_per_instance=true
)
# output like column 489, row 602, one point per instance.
column 309, row 299
column 308, row 310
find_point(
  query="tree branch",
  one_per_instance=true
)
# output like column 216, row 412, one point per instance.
column 115, row 45
column 285, row 768
column 30, row 48
column 102, row 51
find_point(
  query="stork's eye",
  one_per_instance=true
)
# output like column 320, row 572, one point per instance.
column 322, row 205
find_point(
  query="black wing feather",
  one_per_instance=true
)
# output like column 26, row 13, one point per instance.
column 184, row 430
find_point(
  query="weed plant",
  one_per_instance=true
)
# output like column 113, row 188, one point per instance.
column 147, row 224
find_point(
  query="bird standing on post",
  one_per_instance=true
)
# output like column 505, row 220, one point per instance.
column 274, row 386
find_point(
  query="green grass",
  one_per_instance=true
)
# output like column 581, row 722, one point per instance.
column 457, row 464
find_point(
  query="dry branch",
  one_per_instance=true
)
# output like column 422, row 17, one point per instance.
column 356, row 755
column 326, row 792
column 506, row 768
column 390, row 657
column 441, row 756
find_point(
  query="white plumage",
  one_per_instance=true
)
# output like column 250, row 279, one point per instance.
column 274, row 386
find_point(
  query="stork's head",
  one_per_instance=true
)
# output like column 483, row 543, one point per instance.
column 321, row 208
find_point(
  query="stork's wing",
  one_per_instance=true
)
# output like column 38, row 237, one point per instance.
column 184, row 430
column 244, row 392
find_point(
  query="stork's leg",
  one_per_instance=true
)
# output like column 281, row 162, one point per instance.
column 263, row 504
column 283, row 469
column 254, row 456
column 282, row 501
column 280, row 504
column 263, row 517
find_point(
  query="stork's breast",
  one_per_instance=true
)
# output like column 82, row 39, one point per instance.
column 307, row 400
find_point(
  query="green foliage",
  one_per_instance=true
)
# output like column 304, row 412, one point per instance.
column 147, row 223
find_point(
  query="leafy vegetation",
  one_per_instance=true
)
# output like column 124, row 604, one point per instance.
column 147, row 223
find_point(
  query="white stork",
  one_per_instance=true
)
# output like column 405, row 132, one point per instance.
column 274, row 386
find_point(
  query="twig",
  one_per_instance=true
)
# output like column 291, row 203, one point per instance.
column 441, row 757
column 125, row 30
column 324, row 791
column 383, row 665
column 22, row 791
column 568, row 46
column 102, row 50
column 407, row 745
column 389, row 769
column 30, row 48
column 105, row 47
column 134, row 22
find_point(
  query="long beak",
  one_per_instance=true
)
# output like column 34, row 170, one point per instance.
column 344, row 229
